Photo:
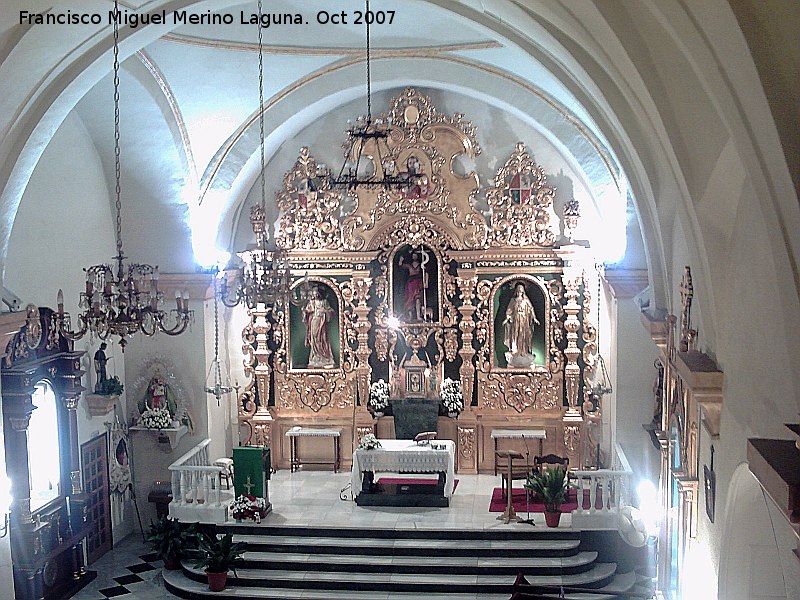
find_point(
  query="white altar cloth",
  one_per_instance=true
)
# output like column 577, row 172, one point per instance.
column 405, row 456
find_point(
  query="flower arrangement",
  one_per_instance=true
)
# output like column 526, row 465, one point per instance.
column 452, row 396
column 249, row 507
column 378, row 396
column 369, row 442
column 156, row 418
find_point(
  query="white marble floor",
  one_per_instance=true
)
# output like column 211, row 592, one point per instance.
column 312, row 498
column 308, row 498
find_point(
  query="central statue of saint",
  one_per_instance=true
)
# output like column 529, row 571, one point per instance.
column 518, row 328
column 317, row 315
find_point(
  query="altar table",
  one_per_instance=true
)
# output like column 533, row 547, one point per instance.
column 517, row 434
column 295, row 462
column 405, row 456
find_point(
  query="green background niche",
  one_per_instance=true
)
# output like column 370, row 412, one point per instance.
column 501, row 300
column 298, row 351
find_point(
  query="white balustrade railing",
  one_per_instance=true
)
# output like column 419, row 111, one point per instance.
column 194, row 480
column 611, row 486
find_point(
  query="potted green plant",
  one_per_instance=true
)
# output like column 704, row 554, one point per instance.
column 551, row 486
column 172, row 540
column 110, row 387
column 217, row 555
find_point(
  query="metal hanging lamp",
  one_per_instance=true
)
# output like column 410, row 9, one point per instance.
column 366, row 130
column 264, row 276
column 218, row 390
column 122, row 299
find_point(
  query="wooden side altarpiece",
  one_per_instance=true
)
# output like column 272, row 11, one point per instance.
column 688, row 394
column 418, row 280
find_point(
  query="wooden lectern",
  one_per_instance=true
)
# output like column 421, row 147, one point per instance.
column 509, row 514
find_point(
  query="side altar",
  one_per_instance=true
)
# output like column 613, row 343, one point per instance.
column 414, row 284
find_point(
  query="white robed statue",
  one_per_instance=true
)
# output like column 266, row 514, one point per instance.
column 317, row 316
column 518, row 328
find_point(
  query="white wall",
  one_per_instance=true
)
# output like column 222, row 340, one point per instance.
column 186, row 356
column 63, row 225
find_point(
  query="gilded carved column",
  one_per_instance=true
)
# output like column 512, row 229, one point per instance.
column 467, row 279
column 572, row 371
column 573, row 420
column 361, row 284
column 467, row 451
column 262, row 371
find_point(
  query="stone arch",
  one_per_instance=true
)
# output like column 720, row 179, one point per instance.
column 754, row 564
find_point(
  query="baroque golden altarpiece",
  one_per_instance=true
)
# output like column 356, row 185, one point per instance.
column 418, row 276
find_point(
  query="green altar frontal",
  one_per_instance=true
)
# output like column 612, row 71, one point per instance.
column 251, row 471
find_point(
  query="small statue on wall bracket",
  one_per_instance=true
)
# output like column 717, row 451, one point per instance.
column 100, row 361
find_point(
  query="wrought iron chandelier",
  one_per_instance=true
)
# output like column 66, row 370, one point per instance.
column 219, row 389
column 351, row 174
column 264, row 276
column 122, row 299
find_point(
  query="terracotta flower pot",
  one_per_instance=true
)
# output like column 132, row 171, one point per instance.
column 217, row 581
column 552, row 518
column 172, row 563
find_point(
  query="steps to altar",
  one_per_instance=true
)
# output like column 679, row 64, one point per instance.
column 342, row 562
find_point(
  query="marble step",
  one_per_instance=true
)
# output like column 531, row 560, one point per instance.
column 420, row 564
column 176, row 583
column 409, row 547
column 621, row 583
column 410, row 532
column 245, row 579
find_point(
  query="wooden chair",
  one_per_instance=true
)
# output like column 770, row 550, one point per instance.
column 519, row 469
column 550, row 460
column 226, row 473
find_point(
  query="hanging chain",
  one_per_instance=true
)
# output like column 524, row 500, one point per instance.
column 117, row 167
column 218, row 372
column 261, row 112
column 369, row 80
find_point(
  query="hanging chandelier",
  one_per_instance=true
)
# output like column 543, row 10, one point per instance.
column 263, row 277
column 122, row 299
column 367, row 130
column 219, row 389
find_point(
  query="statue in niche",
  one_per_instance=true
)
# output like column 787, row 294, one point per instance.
column 159, row 395
column 317, row 315
column 415, row 299
column 518, row 327
column 100, row 361
column 417, row 184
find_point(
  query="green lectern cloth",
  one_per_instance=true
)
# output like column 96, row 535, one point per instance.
column 251, row 462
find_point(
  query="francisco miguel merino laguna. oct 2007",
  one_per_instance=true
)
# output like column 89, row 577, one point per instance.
column 183, row 17
column 179, row 17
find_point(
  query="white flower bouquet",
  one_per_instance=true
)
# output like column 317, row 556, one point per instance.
column 249, row 507
column 452, row 396
column 378, row 396
column 369, row 442
column 156, row 418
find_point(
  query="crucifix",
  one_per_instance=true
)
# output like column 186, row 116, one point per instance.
column 687, row 293
column 249, row 486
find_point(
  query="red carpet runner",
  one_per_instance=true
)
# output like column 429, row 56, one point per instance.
column 498, row 502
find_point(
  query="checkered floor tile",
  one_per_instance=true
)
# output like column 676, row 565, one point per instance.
column 129, row 571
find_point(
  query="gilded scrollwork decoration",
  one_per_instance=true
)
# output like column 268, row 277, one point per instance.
column 522, row 204
column 309, row 208
column 412, row 284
